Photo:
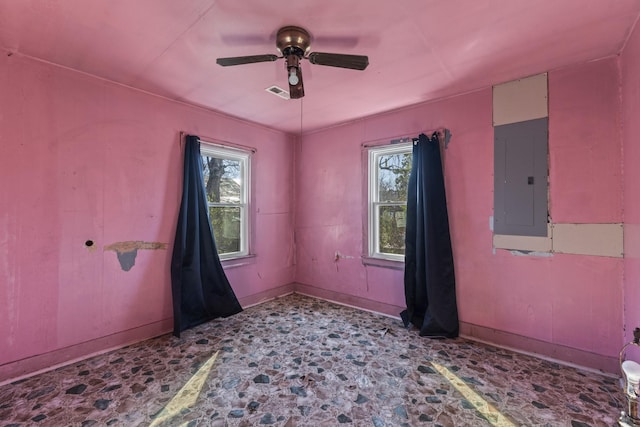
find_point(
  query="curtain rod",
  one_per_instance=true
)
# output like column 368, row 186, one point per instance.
column 218, row 142
column 444, row 134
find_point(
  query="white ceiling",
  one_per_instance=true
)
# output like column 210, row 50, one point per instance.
column 418, row 49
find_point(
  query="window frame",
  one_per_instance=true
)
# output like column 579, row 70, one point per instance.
column 243, row 156
column 373, row 202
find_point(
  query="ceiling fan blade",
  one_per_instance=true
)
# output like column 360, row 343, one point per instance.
column 240, row 60
column 297, row 91
column 353, row 62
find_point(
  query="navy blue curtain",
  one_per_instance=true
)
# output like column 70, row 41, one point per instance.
column 200, row 289
column 429, row 280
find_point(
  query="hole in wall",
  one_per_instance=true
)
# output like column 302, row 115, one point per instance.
column 88, row 243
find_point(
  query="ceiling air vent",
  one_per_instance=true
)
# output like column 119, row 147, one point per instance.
column 278, row 91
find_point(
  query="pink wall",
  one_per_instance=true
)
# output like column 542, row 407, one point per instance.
column 584, row 134
column 630, row 70
column 569, row 300
column 84, row 159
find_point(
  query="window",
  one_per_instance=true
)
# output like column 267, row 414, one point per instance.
column 226, row 182
column 389, row 169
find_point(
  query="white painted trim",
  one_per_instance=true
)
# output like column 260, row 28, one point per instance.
column 373, row 204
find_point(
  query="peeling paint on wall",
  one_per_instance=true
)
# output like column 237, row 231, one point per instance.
column 339, row 256
column 127, row 251
column 518, row 252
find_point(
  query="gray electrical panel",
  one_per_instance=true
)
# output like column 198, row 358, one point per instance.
column 520, row 178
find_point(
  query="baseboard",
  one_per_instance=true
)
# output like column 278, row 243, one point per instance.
column 545, row 350
column 269, row 294
column 19, row 369
column 14, row 371
column 350, row 300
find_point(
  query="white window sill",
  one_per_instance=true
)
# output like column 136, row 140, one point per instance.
column 238, row 261
column 382, row 262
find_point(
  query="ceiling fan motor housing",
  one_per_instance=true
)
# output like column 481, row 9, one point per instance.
column 293, row 40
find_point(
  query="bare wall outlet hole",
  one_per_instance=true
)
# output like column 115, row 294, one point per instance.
column 88, row 243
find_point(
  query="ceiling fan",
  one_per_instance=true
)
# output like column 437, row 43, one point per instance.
column 294, row 44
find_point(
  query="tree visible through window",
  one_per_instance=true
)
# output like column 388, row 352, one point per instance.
column 225, row 174
column 389, row 169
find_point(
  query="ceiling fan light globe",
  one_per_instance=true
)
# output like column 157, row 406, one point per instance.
column 293, row 77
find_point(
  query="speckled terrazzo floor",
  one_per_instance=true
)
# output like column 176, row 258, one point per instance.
column 299, row 361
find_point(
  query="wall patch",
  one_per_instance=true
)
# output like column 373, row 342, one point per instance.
column 127, row 251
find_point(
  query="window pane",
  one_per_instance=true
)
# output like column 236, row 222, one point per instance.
column 225, row 222
column 391, row 229
column 393, row 177
column 222, row 179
